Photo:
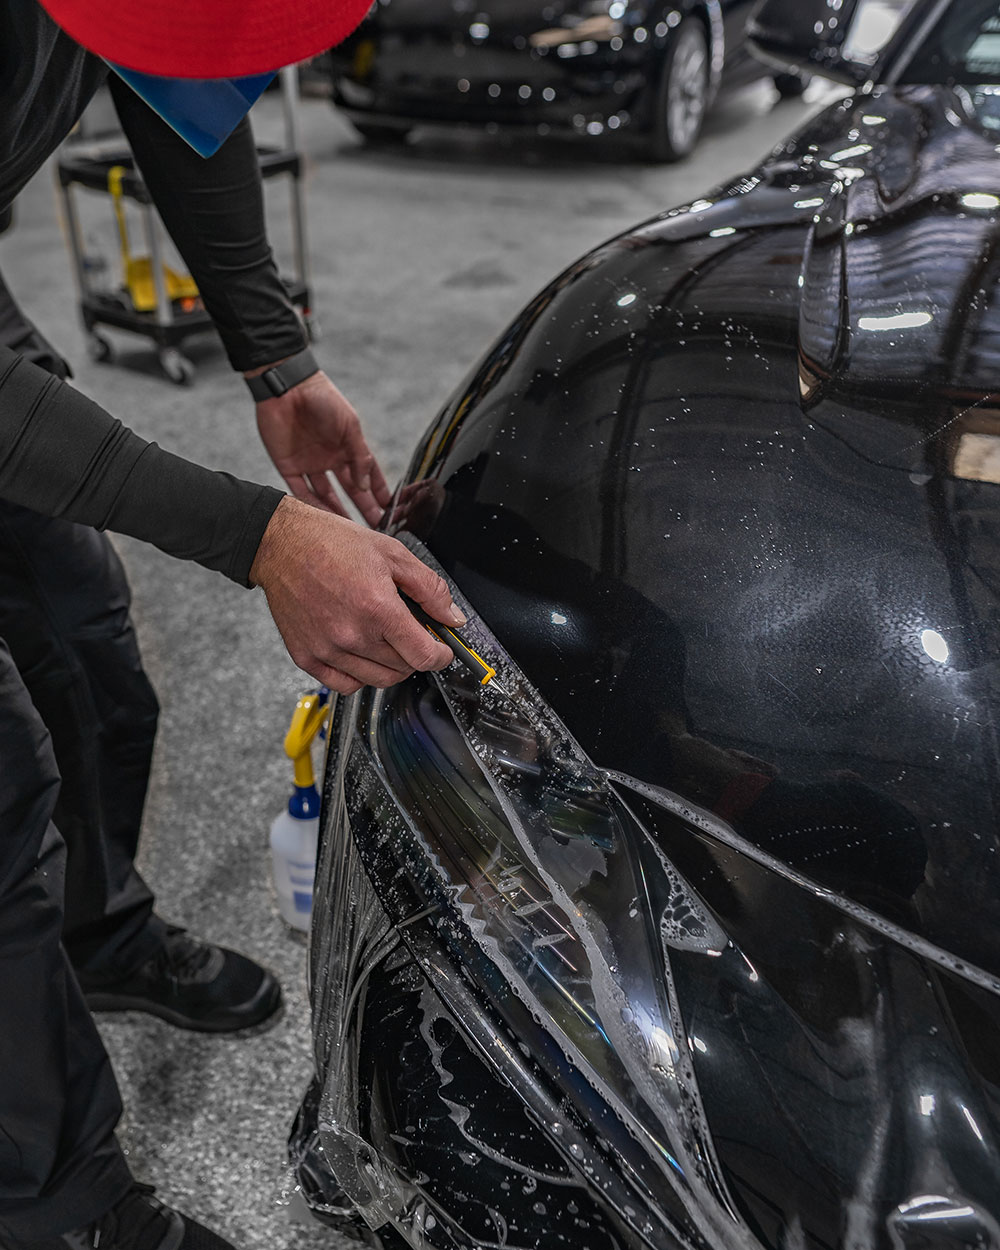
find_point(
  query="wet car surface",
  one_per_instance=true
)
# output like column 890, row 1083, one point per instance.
column 692, row 941
column 588, row 67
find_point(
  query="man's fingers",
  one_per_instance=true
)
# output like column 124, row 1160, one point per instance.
column 361, row 476
column 325, row 491
column 380, row 653
column 332, row 588
column 368, row 508
column 364, row 669
column 361, row 670
column 358, row 461
column 364, row 498
column 320, row 491
column 416, row 646
column 302, row 488
column 298, row 485
column 333, row 678
column 423, row 585
column 380, row 487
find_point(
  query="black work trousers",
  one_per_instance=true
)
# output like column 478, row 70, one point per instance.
column 77, row 722
column 60, row 1165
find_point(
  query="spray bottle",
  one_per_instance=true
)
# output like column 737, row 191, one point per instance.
column 294, row 832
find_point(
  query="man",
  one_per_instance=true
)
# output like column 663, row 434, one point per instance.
column 65, row 466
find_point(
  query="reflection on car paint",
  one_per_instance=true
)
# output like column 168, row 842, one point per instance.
column 559, row 946
column 659, row 1053
column 726, row 490
column 778, row 576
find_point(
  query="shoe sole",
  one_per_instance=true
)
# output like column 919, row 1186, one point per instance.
column 261, row 1007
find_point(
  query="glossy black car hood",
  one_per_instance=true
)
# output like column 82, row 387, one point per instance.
column 727, row 491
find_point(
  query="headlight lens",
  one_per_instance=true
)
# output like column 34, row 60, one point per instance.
column 562, row 889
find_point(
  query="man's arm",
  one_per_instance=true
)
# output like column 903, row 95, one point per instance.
column 332, row 585
column 63, row 455
column 214, row 211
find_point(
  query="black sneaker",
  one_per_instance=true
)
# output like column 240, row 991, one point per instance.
column 192, row 984
column 136, row 1222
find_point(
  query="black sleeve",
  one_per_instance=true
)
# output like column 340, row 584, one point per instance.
column 214, row 211
column 64, row 456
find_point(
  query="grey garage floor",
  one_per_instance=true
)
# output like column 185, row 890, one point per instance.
column 420, row 258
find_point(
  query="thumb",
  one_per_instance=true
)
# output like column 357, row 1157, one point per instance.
column 423, row 586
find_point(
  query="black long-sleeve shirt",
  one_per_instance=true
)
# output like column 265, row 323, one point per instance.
column 60, row 453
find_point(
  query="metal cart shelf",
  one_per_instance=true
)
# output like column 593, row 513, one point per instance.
column 172, row 321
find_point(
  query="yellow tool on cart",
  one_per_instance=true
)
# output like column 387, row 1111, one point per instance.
column 154, row 301
column 137, row 271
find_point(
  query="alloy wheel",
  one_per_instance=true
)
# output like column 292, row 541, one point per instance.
column 686, row 97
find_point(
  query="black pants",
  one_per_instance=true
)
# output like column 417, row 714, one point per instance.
column 64, row 606
column 75, row 704
column 60, row 1165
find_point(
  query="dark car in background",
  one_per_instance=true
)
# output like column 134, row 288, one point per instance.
column 692, row 941
column 648, row 67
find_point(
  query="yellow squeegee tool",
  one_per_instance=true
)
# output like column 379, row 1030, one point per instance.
column 138, row 270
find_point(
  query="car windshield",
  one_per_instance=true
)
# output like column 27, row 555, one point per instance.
column 963, row 47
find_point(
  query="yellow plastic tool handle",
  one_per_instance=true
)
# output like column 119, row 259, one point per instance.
column 460, row 649
column 307, row 720
column 116, row 176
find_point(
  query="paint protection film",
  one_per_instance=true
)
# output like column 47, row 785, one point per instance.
column 719, row 1036
column 526, row 844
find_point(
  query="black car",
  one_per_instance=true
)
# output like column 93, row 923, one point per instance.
column 691, row 938
column 649, row 67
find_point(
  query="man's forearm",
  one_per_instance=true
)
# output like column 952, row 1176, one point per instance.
column 63, row 455
column 213, row 210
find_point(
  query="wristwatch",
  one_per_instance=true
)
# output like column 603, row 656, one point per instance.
column 281, row 378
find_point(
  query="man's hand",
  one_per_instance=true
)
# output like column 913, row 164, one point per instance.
column 332, row 587
column 311, row 431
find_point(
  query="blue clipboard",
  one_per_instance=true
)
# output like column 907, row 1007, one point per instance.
column 203, row 111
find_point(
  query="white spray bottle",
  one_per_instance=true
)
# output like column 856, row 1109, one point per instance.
column 295, row 831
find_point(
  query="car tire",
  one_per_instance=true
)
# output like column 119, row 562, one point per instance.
column 682, row 93
column 382, row 136
column 790, row 86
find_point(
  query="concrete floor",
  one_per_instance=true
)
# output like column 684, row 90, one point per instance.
column 421, row 256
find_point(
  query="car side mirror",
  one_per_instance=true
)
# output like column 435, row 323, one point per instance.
column 811, row 37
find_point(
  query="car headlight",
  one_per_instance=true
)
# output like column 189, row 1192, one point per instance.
column 530, row 850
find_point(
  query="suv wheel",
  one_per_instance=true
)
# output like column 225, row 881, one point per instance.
column 682, row 95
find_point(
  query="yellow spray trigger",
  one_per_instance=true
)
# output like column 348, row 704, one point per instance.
column 307, row 720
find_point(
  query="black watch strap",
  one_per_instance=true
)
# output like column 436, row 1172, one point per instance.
column 275, row 381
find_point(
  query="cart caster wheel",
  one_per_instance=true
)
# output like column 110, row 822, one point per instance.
column 176, row 366
column 99, row 349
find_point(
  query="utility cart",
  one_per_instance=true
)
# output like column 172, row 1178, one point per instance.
column 152, row 299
